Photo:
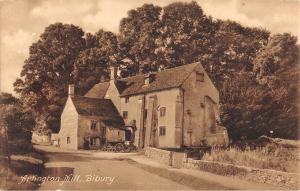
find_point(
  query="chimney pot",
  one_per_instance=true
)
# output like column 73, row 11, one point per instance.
column 102, row 79
column 113, row 72
column 71, row 90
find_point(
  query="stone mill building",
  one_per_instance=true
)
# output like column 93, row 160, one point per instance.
column 172, row 108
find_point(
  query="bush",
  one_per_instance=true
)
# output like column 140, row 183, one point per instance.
column 271, row 156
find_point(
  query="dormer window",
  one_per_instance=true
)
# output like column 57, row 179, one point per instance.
column 148, row 79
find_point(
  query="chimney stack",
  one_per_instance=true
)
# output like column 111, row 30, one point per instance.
column 71, row 90
column 113, row 72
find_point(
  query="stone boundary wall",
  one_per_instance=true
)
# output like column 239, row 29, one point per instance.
column 163, row 156
column 273, row 177
column 40, row 138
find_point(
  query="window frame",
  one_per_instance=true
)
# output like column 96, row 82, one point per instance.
column 162, row 131
column 162, row 111
column 199, row 79
column 125, row 115
column 93, row 141
column 93, row 125
column 126, row 99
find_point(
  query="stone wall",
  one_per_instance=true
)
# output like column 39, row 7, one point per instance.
column 201, row 111
column 68, row 126
column 163, row 156
column 169, row 158
column 277, row 178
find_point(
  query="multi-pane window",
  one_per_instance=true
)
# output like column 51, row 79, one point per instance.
column 125, row 114
column 68, row 140
column 93, row 125
column 126, row 99
column 162, row 111
column 199, row 77
column 162, row 131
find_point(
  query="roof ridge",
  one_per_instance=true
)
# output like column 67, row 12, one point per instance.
column 189, row 74
column 167, row 69
column 77, row 96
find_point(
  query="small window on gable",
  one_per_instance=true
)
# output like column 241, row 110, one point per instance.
column 93, row 125
column 68, row 140
column 199, row 77
column 126, row 99
column 125, row 114
column 162, row 131
column 162, row 111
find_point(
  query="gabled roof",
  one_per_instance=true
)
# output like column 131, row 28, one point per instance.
column 165, row 79
column 98, row 91
column 94, row 107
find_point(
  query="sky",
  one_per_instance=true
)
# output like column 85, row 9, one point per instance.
column 22, row 21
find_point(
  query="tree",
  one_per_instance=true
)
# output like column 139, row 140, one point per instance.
column 16, row 124
column 180, row 34
column 281, row 52
column 137, row 37
column 92, row 63
column 276, row 67
column 47, row 72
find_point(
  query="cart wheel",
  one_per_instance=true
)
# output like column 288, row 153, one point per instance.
column 119, row 148
column 109, row 148
column 103, row 148
column 133, row 148
column 127, row 149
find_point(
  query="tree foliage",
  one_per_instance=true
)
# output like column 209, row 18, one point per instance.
column 92, row 63
column 16, row 124
column 47, row 71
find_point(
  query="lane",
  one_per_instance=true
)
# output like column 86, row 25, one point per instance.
column 99, row 173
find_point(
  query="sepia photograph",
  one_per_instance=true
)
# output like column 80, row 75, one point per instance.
column 149, row 95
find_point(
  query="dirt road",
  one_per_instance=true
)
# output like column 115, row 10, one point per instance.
column 88, row 172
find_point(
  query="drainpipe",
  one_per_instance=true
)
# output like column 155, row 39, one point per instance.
column 182, row 125
column 142, row 127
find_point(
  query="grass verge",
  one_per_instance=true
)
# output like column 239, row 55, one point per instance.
column 276, row 155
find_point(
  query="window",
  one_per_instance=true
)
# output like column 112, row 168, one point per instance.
column 162, row 131
column 199, row 77
column 149, row 78
column 146, row 81
column 126, row 99
column 93, row 141
column 93, row 125
column 68, row 140
column 125, row 114
column 162, row 111
column 145, row 114
column 103, row 131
